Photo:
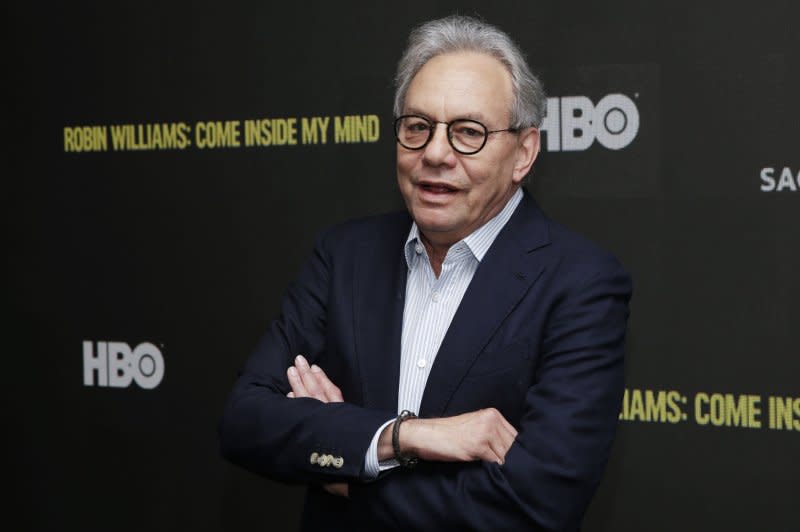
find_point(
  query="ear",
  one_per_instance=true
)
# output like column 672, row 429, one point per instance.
column 527, row 150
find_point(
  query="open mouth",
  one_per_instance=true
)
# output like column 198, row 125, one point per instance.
column 437, row 188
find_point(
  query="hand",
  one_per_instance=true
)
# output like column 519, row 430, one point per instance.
column 480, row 435
column 311, row 382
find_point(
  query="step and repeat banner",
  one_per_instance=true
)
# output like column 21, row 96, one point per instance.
column 169, row 166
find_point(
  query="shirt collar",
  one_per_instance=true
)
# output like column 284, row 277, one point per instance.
column 478, row 242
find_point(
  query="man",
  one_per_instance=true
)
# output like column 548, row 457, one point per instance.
column 461, row 367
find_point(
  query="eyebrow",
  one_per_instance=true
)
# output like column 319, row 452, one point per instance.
column 477, row 116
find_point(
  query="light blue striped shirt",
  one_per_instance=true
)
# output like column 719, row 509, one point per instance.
column 430, row 305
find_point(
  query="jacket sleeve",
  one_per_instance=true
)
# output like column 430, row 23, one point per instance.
column 565, row 434
column 269, row 434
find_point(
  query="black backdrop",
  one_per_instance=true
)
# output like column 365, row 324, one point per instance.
column 117, row 242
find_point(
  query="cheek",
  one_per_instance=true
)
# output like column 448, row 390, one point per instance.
column 404, row 167
column 489, row 173
column 478, row 172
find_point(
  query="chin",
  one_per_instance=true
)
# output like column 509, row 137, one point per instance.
column 433, row 222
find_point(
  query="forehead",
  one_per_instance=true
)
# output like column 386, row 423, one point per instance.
column 461, row 85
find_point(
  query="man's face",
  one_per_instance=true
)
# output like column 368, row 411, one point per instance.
column 449, row 194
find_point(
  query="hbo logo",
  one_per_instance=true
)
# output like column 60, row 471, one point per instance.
column 573, row 123
column 114, row 364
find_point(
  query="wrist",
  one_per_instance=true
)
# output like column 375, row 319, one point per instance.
column 403, row 452
column 408, row 437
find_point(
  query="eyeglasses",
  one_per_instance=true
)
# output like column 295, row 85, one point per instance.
column 465, row 136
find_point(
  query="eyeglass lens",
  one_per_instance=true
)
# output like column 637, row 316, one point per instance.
column 466, row 136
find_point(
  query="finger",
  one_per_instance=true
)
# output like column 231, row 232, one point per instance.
column 493, row 452
column 500, row 442
column 507, row 431
column 510, row 428
column 499, row 419
column 331, row 391
column 296, row 382
column 504, row 429
column 509, row 437
column 290, row 395
column 301, row 363
column 500, row 433
column 311, row 382
column 304, row 369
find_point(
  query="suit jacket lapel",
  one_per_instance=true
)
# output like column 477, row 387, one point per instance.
column 379, row 290
column 503, row 277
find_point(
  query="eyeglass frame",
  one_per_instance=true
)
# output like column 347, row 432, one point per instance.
column 432, row 132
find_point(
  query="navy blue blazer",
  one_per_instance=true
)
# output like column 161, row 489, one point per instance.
column 539, row 335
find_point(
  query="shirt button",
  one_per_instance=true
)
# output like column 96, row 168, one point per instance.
column 421, row 363
column 435, row 296
column 418, row 249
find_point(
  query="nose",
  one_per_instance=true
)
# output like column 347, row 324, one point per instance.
column 438, row 150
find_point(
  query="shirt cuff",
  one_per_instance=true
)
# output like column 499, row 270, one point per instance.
column 372, row 468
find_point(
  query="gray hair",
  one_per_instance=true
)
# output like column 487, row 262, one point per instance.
column 458, row 33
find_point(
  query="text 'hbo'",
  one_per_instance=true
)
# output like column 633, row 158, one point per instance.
column 116, row 365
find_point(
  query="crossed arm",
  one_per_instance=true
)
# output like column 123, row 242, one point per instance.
column 481, row 435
